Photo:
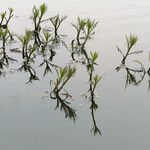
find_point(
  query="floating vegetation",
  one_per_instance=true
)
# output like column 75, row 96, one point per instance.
column 37, row 18
column 130, row 42
column 25, row 40
column 38, row 49
column 56, row 22
column 134, row 76
column 5, row 20
column 94, row 80
column 84, row 32
column 60, row 94
column 28, row 51
column 5, row 37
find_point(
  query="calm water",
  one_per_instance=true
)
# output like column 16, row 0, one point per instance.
column 28, row 120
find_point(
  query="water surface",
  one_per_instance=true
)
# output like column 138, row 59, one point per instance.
column 27, row 117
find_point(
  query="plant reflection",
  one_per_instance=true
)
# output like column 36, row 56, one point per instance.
column 58, row 93
column 28, row 68
column 134, row 76
column 94, row 80
column 94, row 106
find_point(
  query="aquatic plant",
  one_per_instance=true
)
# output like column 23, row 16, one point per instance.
column 85, row 31
column 130, row 42
column 42, row 42
column 47, row 49
column 46, row 39
column 63, row 76
column 94, row 79
column 4, row 58
column 79, row 28
column 37, row 18
column 56, row 22
column 91, row 61
column 5, row 36
column 25, row 40
column 57, row 39
column 29, row 51
column 4, row 21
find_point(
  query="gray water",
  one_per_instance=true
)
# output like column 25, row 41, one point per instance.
column 28, row 120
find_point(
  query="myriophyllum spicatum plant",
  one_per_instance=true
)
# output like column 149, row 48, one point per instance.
column 28, row 54
column 5, row 34
column 25, row 41
column 56, row 22
column 130, row 42
column 37, row 18
column 51, row 39
column 94, row 106
column 84, row 32
column 79, row 29
column 5, row 37
column 4, row 21
column 47, row 49
column 47, row 52
column 94, row 79
column 60, row 94
column 4, row 58
column 46, row 39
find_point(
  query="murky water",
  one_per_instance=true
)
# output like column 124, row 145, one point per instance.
column 27, row 116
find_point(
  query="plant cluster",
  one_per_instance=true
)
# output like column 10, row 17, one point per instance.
column 84, row 32
column 60, row 94
column 134, row 76
column 130, row 42
column 41, row 42
column 5, row 36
